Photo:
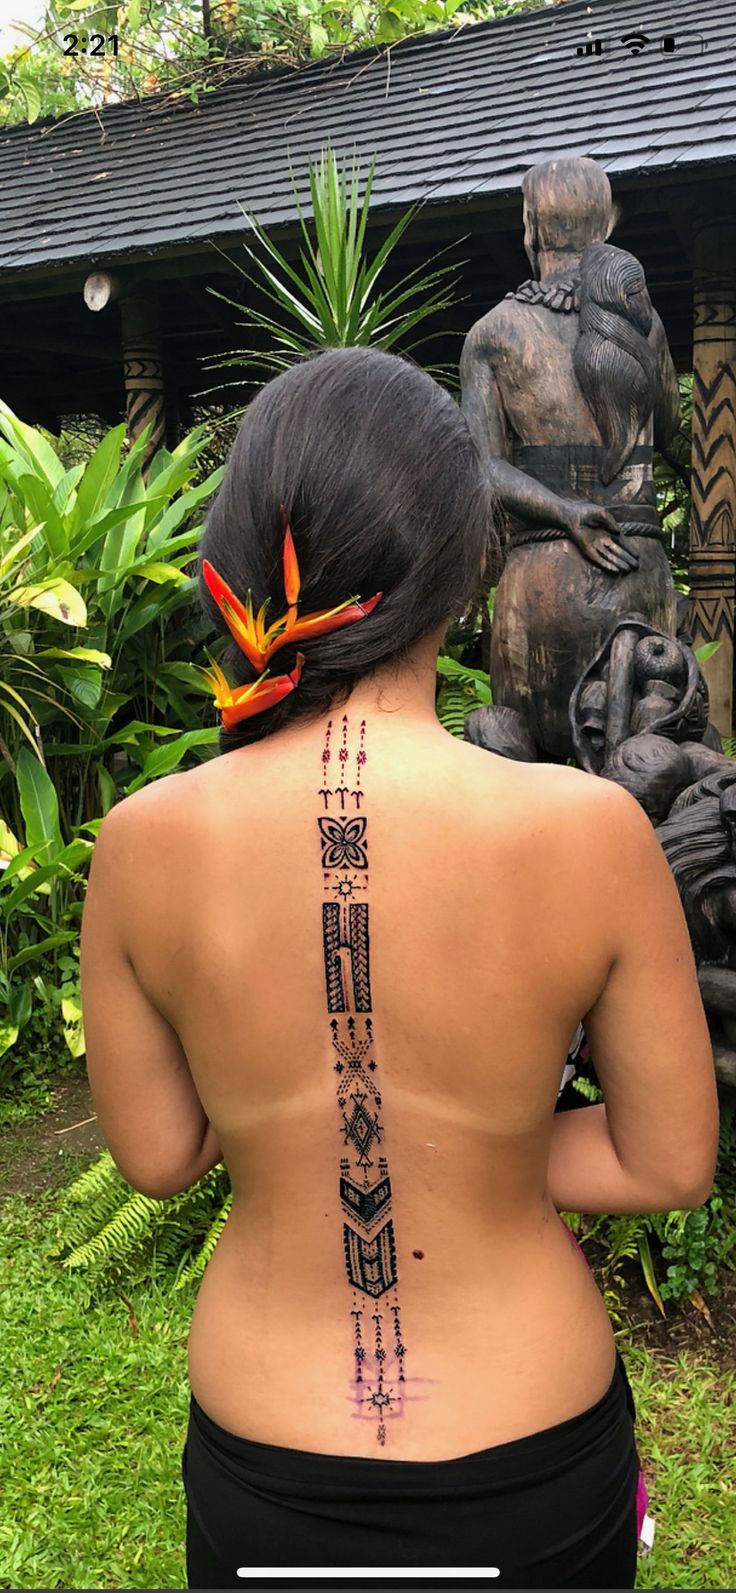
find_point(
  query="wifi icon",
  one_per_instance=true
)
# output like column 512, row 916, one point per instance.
column 635, row 42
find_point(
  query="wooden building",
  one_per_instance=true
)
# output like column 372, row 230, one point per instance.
column 150, row 195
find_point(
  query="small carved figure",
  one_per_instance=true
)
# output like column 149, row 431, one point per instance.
column 639, row 716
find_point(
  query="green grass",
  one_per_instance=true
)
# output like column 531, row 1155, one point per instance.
column 93, row 1421
column 686, row 1436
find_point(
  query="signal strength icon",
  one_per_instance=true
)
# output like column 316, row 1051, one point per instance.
column 591, row 47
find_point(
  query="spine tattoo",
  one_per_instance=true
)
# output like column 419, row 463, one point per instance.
column 365, row 1187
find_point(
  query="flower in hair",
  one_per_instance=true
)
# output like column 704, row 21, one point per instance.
column 240, row 702
column 259, row 642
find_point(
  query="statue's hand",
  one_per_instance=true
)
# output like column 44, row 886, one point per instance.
column 597, row 534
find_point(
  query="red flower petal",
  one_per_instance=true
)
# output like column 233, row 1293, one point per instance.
column 319, row 625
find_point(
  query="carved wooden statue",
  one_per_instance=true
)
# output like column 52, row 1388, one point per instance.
column 566, row 384
column 699, row 841
column 639, row 716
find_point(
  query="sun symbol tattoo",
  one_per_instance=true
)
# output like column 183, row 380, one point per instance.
column 347, row 887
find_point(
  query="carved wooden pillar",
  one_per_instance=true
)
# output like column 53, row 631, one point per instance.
column 142, row 363
column 143, row 368
column 712, row 572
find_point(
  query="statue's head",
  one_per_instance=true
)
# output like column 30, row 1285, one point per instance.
column 567, row 205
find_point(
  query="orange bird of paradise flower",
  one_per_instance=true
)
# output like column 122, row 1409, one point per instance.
column 259, row 642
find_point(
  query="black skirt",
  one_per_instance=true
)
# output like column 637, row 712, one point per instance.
column 557, row 1508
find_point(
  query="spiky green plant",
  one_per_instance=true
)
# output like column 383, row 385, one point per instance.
column 333, row 298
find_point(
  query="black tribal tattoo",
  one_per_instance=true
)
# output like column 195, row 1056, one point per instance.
column 368, row 1236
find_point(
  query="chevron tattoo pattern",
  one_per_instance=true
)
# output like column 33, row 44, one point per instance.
column 368, row 1240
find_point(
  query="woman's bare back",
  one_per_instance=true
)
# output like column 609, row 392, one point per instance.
column 484, row 954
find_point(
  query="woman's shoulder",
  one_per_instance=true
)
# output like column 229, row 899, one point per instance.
column 432, row 764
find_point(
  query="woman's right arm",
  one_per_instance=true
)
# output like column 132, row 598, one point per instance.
column 651, row 1145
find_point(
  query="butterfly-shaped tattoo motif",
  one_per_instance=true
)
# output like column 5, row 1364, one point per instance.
column 340, row 840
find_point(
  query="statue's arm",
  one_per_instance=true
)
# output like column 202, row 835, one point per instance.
column 592, row 528
column 482, row 406
column 667, row 404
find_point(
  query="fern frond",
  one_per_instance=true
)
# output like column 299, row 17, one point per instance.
column 108, row 1230
column 122, row 1233
column 454, row 703
column 195, row 1268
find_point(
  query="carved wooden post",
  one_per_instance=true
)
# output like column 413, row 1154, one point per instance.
column 712, row 568
column 143, row 369
column 142, row 363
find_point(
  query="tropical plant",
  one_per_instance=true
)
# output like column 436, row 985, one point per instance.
column 184, row 48
column 95, row 550
column 332, row 298
column 114, row 1234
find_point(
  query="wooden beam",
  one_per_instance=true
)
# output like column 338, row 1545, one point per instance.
column 101, row 288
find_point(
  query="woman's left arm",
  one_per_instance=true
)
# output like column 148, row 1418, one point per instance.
column 146, row 1100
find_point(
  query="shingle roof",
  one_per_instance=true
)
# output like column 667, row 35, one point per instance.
column 451, row 116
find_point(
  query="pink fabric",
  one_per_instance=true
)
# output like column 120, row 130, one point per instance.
column 642, row 1502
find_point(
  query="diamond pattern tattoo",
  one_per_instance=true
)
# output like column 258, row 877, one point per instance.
column 368, row 1237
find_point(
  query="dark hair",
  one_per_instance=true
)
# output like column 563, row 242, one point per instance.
column 613, row 359
column 384, row 491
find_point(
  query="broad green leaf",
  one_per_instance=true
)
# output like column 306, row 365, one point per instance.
column 13, row 554
column 74, row 1035
column 64, row 490
column 60, row 938
column 53, row 596
column 20, row 1000
column 706, row 651
column 117, row 555
column 20, row 642
column 8, row 1036
column 107, row 787
column 9, row 843
column 143, row 612
column 20, row 863
column 31, row 95
column 39, row 500
column 38, row 801
column 180, row 508
column 91, row 654
column 98, row 476
column 163, row 760
column 85, row 685
column 319, row 38
column 33, row 448
column 129, row 475
column 62, row 864
column 160, row 572
column 454, row 670
column 71, row 1011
